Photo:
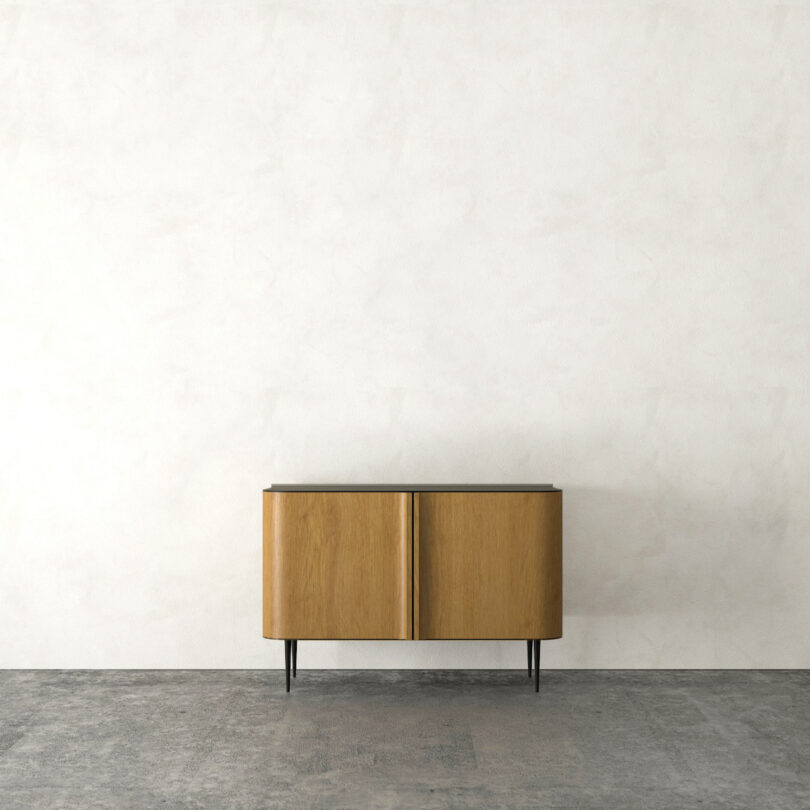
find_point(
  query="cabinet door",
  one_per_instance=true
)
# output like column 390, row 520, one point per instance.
column 337, row 565
column 488, row 565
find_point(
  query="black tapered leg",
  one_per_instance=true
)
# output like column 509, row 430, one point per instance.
column 295, row 654
column 537, row 665
column 287, row 645
column 529, row 652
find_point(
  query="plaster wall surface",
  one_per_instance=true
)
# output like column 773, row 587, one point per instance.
column 404, row 241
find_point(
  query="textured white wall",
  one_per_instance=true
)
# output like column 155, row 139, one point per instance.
column 381, row 241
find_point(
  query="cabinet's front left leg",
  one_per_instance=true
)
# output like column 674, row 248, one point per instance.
column 295, row 654
column 537, row 665
column 287, row 645
column 529, row 651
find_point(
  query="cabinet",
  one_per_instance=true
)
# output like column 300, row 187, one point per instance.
column 414, row 562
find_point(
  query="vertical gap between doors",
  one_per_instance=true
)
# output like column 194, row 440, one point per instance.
column 413, row 567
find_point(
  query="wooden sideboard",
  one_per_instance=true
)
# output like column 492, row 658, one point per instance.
column 408, row 561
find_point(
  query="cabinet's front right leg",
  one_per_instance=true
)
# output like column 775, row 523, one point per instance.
column 287, row 645
column 537, row 665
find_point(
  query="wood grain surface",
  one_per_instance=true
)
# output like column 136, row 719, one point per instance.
column 488, row 565
column 337, row 565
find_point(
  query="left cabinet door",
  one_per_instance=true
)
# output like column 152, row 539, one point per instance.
column 337, row 565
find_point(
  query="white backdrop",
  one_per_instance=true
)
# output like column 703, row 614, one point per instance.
column 360, row 241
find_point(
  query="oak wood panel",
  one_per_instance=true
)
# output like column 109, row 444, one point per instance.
column 337, row 565
column 489, row 565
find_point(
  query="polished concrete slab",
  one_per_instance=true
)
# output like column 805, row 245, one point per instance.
column 397, row 739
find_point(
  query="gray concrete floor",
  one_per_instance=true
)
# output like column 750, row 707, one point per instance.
column 452, row 739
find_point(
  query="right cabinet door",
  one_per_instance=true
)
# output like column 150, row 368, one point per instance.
column 487, row 565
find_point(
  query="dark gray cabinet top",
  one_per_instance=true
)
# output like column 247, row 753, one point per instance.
column 412, row 488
